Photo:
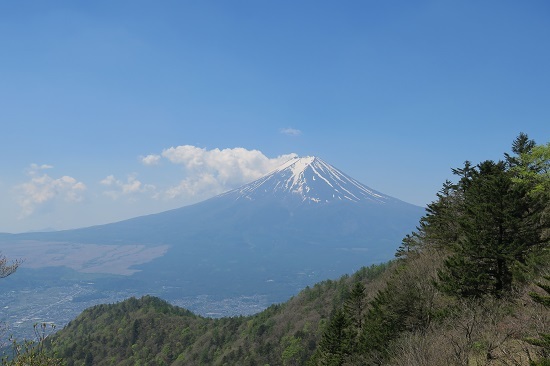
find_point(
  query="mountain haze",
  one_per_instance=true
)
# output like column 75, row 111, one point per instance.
column 303, row 222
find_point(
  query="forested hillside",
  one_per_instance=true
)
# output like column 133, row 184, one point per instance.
column 466, row 289
column 150, row 331
column 469, row 287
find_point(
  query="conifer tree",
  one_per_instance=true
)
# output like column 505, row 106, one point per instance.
column 342, row 337
column 439, row 227
column 522, row 145
column 492, row 234
column 502, row 216
column 354, row 306
column 334, row 346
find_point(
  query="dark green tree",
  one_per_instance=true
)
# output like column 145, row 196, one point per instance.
column 355, row 308
column 494, row 234
column 411, row 244
column 502, row 218
column 439, row 227
column 334, row 346
column 522, row 145
column 354, row 305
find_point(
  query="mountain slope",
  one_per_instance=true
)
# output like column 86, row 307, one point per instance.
column 309, row 180
column 303, row 189
column 304, row 222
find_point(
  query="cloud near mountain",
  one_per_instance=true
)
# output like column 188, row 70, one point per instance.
column 131, row 186
column 186, row 174
column 42, row 188
column 209, row 172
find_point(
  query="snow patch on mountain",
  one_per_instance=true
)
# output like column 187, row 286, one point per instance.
column 310, row 180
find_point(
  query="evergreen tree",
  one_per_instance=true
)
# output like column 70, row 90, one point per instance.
column 354, row 306
column 384, row 320
column 411, row 244
column 522, row 145
column 501, row 216
column 341, row 340
column 439, row 227
column 493, row 236
column 335, row 345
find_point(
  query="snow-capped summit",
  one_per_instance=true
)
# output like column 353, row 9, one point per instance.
column 310, row 180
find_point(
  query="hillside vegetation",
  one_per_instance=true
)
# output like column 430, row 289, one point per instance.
column 150, row 331
column 469, row 287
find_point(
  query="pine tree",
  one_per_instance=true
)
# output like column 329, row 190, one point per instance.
column 439, row 227
column 354, row 306
column 342, row 338
column 411, row 244
column 493, row 236
column 384, row 320
column 522, row 145
column 335, row 344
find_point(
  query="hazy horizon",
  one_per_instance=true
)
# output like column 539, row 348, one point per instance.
column 112, row 110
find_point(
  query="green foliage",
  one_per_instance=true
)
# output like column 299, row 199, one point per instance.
column 532, row 173
column 294, row 351
column 383, row 323
column 490, row 226
column 336, row 342
column 341, row 335
column 495, row 225
column 410, row 244
column 355, row 305
column 361, row 329
column 150, row 331
column 439, row 227
column 492, row 237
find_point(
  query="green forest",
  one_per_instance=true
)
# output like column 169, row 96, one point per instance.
column 471, row 286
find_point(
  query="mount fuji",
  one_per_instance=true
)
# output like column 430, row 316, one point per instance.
column 304, row 222
column 308, row 180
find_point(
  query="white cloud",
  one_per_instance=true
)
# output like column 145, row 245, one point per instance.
column 108, row 181
column 35, row 167
column 211, row 172
column 291, row 131
column 131, row 186
column 203, row 184
column 151, row 159
column 42, row 188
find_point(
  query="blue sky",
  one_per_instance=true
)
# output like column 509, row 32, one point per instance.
column 114, row 109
